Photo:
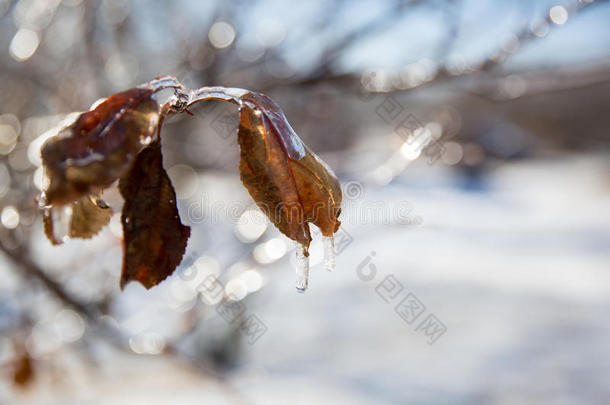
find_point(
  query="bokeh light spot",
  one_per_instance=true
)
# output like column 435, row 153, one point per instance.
column 559, row 15
column 10, row 217
column 221, row 34
column 251, row 225
column 24, row 45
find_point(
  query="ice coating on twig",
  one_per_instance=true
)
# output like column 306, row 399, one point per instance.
column 183, row 98
column 163, row 82
column 217, row 92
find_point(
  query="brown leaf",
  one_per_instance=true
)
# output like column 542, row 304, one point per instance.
column 89, row 215
column 154, row 238
column 286, row 180
column 82, row 219
column 100, row 146
column 23, row 369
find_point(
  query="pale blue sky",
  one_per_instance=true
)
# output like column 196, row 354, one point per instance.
column 585, row 38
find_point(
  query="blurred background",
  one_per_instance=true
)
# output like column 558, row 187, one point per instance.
column 473, row 264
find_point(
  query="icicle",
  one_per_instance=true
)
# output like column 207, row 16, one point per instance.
column 302, row 269
column 329, row 252
column 61, row 216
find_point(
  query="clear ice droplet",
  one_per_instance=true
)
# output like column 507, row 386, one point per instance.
column 302, row 269
column 329, row 252
column 61, row 216
column 43, row 202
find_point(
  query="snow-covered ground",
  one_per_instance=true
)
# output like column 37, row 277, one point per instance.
column 508, row 284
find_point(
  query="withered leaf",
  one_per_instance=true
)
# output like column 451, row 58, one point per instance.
column 100, row 146
column 154, row 239
column 89, row 215
column 22, row 367
column 82, row 219
column 23, row 373
column 288, row 182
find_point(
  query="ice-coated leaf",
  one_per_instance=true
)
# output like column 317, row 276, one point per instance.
column 99, row 147
column 154, row 238
column 119, row 139
column 84, row 218
column 286, row 180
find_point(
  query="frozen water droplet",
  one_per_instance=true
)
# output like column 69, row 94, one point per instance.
column 146, row 140
column 62, row 216
column 329, row 252
column 99, row 202
column 302, row 269
column 42, row 201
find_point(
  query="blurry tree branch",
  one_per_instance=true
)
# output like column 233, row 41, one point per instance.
column 452, row 15
column 112, row 335
column 531, row 83
column 382, row 22
column 28, row 269
column 354, row 81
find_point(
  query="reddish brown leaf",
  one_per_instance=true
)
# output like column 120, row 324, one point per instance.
column 154, row 238
column 100, row 146
column 286, row 180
